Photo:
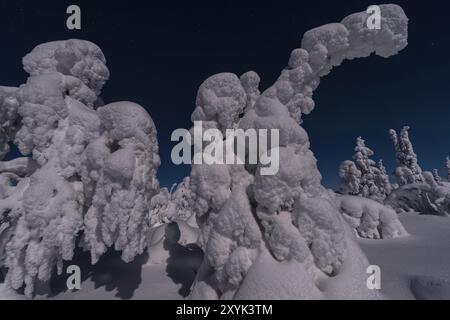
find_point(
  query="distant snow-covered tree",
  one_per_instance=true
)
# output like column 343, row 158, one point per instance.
column 368, row 187
column 382, row 179
column 408, row 170
column 173, row 204
column 361, row 177
column 287, row 222
column 418, row 191
column 91, row 171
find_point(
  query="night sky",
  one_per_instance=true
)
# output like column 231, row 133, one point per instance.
column 160, row 52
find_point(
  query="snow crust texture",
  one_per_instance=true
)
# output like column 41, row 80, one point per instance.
column 288, row 217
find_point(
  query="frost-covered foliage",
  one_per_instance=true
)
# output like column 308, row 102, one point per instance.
column 159, row 206
column 80, row 59
column 370, row 219
column 13, row 182
column 119, row 169
column 362, row 155
column 382, row 180
column 174, row 204
column 164, row 239
column 408, row 170
column 350, row 178
column 249, row 220
column 90, row 171
column 361, row 177
column 418, row 191
column 436, row 175
column 447, row 168
column 428, row 197
column 9, row 119
column 220, row 101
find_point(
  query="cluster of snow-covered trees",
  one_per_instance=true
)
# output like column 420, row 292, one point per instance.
column 88, row 175
column 414, row 189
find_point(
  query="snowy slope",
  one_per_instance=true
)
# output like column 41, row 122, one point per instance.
column 407, row 263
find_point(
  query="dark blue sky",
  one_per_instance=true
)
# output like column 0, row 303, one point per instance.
column 159, row 54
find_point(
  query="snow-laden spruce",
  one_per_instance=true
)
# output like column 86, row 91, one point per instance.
column 428, row 197
column 90, row 170
column 447, row 167
column 287, row 226
column 418, row 191
column 370, row 219
column 174, row 204
column 119, row 172
column 436, row 175
column 362, row 178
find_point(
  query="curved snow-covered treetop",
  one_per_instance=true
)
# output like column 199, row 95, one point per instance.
column 92, row 171
column 287, row 224
column 92, row 174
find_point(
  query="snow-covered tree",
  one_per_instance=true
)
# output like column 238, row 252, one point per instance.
column 368, row 187
column 172, row 205
column 91, row 170
column 120, row 168
column 361, row 177
column 447, row 167
column 436, row 175
column 350, row 178
column 251, row 223
column 408, row 170
column 9, row 119
column 422, row 192
column 93, row 173
column 158, row 208
column 382, row 180
column 370, row 219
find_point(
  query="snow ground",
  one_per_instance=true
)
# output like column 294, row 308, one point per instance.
column 414, row 267
column 417, row 266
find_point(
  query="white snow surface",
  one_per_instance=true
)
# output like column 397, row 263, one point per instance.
column 412, row 267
